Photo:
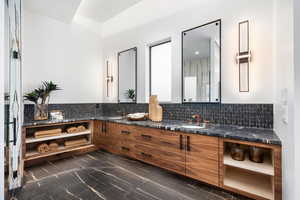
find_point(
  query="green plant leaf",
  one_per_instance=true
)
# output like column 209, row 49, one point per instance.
column 32, row 96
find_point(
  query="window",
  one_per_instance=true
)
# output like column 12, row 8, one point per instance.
column 160, row 71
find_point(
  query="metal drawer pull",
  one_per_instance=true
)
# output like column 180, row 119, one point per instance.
column 181, row 142
column 125, row 132
column 147, row 136
column 188, row 145
column 102, row 127
column 167, row 143
column 146, row 155
column 125, row 149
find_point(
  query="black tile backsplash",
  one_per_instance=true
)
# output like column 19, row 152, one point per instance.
column 69, row 110
column 251, row 115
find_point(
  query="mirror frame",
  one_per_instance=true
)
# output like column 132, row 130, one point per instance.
column 134, row 102
column 182, row 63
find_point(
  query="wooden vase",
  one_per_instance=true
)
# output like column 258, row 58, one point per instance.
column 155, row 110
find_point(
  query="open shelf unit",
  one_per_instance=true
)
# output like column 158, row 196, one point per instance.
column 264, row 168
column 258, row 184
column 30, row 143
column 256, row 180
column 31, row 155
column 62, row 135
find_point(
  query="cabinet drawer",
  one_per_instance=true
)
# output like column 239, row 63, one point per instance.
column 126, row 148
column 165, row 140
column 126, row 133
column 173, row 161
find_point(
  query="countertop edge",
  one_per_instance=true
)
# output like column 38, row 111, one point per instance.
column 221, row 131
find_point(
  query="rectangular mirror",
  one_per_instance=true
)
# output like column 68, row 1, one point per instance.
column 201, row 64
column 161, row 71
column 127, row 65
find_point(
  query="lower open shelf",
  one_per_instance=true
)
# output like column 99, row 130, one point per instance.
column 253, row 183
column 32, row 155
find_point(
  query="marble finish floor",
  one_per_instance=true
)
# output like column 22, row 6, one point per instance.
column 103, row 176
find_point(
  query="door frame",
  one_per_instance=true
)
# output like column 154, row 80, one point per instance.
column 2, row 64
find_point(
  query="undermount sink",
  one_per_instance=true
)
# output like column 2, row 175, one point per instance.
column 194, row 126
column 116, row 118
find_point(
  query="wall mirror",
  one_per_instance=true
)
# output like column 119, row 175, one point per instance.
column 201, row 64
column 127, row 67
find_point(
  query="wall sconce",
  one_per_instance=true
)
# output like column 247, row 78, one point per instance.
column 109, row 79
column 244, row 56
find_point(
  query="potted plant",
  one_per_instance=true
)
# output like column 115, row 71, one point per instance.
column 41, row 97
column 130, row 93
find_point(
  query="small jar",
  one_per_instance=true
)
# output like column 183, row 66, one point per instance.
column 256, row 154
column 237, row 152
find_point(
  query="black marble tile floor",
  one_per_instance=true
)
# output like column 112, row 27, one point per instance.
column 103, row 176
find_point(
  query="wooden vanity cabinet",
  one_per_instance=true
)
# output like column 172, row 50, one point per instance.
column 195, row 156
column 204, row 158
column 105, row 136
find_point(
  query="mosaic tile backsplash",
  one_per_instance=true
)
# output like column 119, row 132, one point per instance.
column 250, row 115
column 69, row 110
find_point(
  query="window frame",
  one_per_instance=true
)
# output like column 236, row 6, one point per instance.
column 150, row 67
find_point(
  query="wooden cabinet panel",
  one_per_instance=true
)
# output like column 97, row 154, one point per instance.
column 126, row 148
column 126, row 133
column 99, row 134
column 202, row 159
column 111, row 130
column 164, row 140
column 172, row 161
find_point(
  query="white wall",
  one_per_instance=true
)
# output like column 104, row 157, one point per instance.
column 2, row 64
column 284, row 89
column 297, row 93
column 260, row 14
column 68, row 54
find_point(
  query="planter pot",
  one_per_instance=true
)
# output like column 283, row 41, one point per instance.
column 41, row 112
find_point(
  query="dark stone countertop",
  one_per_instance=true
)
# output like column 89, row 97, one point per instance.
column 259, row 135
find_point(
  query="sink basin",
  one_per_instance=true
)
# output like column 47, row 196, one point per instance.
column 194, row 126
column 115, row 118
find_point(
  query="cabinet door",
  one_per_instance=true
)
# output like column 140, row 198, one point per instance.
column 101, row 136
column 98, row 132
column 112, row 139
column 202, row 159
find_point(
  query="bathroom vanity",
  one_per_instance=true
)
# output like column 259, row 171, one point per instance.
column 199, row 153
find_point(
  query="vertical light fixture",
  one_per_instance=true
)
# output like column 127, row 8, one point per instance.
column 244, row 56
column 109, row 79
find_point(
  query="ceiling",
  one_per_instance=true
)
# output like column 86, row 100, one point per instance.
column 102, row 10
column 65, row 10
